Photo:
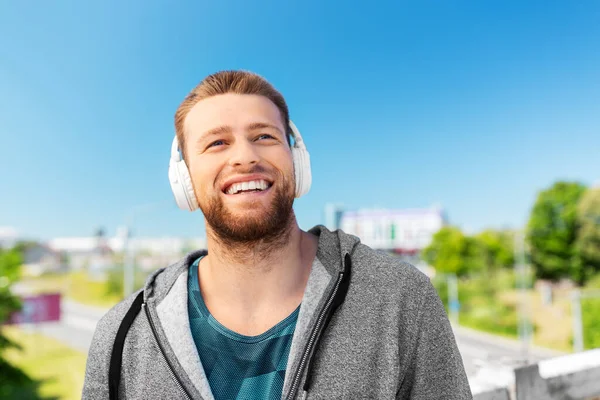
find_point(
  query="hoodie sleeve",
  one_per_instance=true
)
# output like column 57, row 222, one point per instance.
column 437, row 370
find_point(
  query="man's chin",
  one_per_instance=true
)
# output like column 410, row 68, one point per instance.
column 249, row 221
column 247, row 230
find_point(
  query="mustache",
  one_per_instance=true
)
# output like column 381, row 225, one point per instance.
column 254, row 169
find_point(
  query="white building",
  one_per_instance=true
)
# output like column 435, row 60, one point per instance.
column 403, row 231
column 97, row 252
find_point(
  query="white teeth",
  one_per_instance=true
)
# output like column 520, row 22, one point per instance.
column 245, row 186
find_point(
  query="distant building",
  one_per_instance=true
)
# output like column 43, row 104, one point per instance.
column 98, row 253
column 39, row 258
column 333, row 216
column 402, row 231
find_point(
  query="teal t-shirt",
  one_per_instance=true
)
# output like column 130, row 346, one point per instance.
column 238, row 366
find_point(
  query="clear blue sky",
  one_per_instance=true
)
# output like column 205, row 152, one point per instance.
column 472, row 105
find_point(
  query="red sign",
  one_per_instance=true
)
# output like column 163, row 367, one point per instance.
column 41, row 308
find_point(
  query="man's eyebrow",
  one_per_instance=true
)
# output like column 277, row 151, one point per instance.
column 262, row 125
column 215, row 131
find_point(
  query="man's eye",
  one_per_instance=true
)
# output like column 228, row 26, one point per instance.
column 265, row 136
column 216, row 143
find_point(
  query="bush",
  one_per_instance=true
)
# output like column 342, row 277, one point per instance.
column 14, row 383
column 480, row 307
column 590, row 314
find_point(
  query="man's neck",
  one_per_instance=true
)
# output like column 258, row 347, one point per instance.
column 250, row 288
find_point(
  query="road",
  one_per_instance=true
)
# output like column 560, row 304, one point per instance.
column 489, row 360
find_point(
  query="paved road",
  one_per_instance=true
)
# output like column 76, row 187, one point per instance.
column 76, row 327
column 488, row 359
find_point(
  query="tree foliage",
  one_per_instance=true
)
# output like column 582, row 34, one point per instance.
column 552, row 231
column 14, row 383
column 496, row 249
column 451, row 252
column 587, row 243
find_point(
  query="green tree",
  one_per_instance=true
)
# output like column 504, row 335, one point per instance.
column 552, row 230
column 14, row 383
column 451, row 252
column 587, row 243
column 496, row 249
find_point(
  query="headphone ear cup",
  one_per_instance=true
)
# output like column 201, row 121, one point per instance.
column 302, row 171
column 181, row 185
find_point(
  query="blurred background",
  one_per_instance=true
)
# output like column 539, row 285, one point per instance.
column 463, row 137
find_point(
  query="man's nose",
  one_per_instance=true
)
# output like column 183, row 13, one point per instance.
column 243, row 153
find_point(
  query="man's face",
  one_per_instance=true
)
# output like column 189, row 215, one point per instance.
column 241, row 166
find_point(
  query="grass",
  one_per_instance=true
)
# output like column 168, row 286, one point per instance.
column 491, row 305
column 59, row 367
column 75, row 286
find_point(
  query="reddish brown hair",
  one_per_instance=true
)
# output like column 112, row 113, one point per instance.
column 239, row 82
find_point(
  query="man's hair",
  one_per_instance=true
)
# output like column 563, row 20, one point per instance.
column 222, row 82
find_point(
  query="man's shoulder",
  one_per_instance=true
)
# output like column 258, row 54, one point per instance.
column 107, row 326
column 384, row 278
column 386, row 267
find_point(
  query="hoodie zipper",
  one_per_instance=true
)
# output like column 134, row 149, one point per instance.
column 313, row 337
column 164, row 357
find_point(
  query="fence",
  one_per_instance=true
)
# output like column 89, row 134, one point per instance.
column 574, row 376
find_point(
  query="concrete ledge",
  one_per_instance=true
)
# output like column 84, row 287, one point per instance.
column 576, row 376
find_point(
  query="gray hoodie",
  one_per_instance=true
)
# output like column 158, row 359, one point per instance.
column 369, row 327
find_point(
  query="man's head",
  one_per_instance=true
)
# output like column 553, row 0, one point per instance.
column 233, row 131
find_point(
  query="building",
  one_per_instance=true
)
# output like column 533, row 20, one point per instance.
column 402, row 231
column 333, row 216
column 39, row 258
column 97, row 253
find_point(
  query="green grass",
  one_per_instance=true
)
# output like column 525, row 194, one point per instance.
column 490, row 304
column 60, row 368
column 75, row 286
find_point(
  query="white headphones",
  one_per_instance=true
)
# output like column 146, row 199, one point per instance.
column 181, row 182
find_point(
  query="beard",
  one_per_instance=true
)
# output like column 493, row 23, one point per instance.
column 267, row 225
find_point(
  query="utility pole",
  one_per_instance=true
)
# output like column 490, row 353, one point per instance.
column 522, row 281
column 577, row 321
column 454, row 305
column 576, row 296
column 128, row 263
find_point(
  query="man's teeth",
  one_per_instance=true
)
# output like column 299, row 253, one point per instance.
column 247, row 186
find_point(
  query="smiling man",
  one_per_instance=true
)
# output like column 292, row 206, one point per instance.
column 269, row 311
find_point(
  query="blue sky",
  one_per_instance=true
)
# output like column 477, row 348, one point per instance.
column 472, row 105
